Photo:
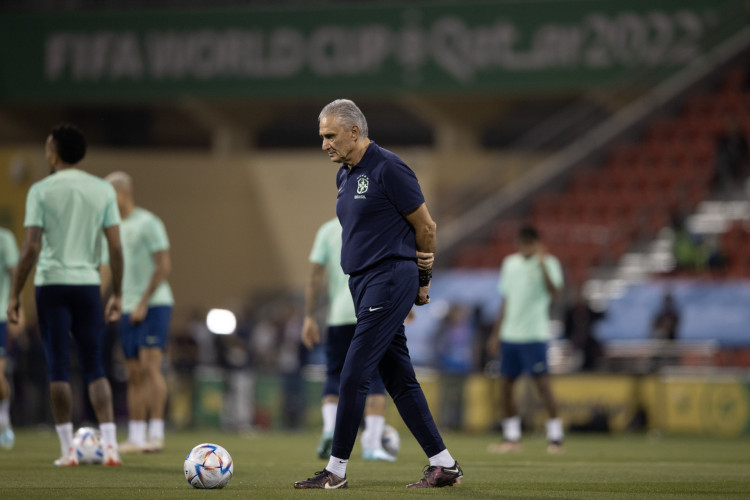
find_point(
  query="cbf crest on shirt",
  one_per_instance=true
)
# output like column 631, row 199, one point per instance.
column 374, row 198
column 362, row 184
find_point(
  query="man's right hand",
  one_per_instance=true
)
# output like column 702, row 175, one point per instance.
column 13, row 308
column 113, row 311
column 310, row 332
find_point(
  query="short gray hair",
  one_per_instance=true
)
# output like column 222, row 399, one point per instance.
column 120, row 179
column 348, row 113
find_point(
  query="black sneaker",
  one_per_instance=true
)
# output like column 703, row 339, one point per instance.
column 437, row 477
column 324, row 480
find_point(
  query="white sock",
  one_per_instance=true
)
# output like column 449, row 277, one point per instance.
column 554, row 430
column 156, row 429
column 442, row 459
column 329, row 416
column 372, row 437
column 512, row 428
column 337, row 466
column 109, row 435
column 132, row 424
column 5, row 413
column 137, row 432
column 65, row 433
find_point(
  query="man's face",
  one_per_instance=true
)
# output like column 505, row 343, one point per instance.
column 50, row 152
column 527, row 248
column 338, row 141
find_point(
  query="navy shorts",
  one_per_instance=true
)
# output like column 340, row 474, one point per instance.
column 516, row 359
column 337, row 345
column 151, row 332
column 66, row 311
column 3, row 339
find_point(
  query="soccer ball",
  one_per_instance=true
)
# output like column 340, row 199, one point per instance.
column 391, row 440
column 87, row 443
column 208, row 466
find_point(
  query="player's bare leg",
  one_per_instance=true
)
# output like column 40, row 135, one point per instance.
column 372, row 445
column 100, row 395
column 511, row 423
column 155, row 395
column 136, row 397
column 545, row 391
column 554, row 425
column 61, row 399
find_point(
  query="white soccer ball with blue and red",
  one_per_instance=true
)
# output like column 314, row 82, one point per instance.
column 391, row 440
column 87, row 443
column 208, row 466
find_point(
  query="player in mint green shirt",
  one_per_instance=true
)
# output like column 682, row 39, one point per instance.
column 147, row 310
column 8, row 261
column 342, row 321
column 66, row 214
column 529, row 281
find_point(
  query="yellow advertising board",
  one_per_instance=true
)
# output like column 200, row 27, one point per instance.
column 709, row 404
column 701, row 405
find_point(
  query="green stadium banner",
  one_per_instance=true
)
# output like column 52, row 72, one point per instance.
column 380, row 49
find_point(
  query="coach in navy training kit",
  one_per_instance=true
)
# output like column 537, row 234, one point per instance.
column 387, row 249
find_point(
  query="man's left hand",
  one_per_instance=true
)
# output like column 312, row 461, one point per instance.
column 422, row 296
column 139, row 313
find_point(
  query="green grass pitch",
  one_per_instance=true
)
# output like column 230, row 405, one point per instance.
column 266, row 465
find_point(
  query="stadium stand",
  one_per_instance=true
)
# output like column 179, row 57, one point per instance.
column 635, row 191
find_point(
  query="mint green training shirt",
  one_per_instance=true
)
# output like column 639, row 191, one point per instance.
column 526, row 297
column 8, row 260
column 326, row 251
column 73, row 208
column 142, row 234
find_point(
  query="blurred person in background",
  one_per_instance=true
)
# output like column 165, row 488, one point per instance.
column 529, row 281
column 579, row 330
column 239, row 382
column 731, row 157
column 455, row 359
column 325, row 256
column 204, row 339
column 30, row 390
column 666, row 320
column 388, row 245
column 8, row 262
column 292, row 357
column 686, row 248
column 183, row 356
column 65, row 216
column 147, row 310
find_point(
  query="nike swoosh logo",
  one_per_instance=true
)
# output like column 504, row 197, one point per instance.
column 451, row 471
column 373, row 309
column 328, row 486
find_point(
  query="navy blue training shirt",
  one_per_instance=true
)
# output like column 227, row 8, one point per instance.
column 373, row 199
